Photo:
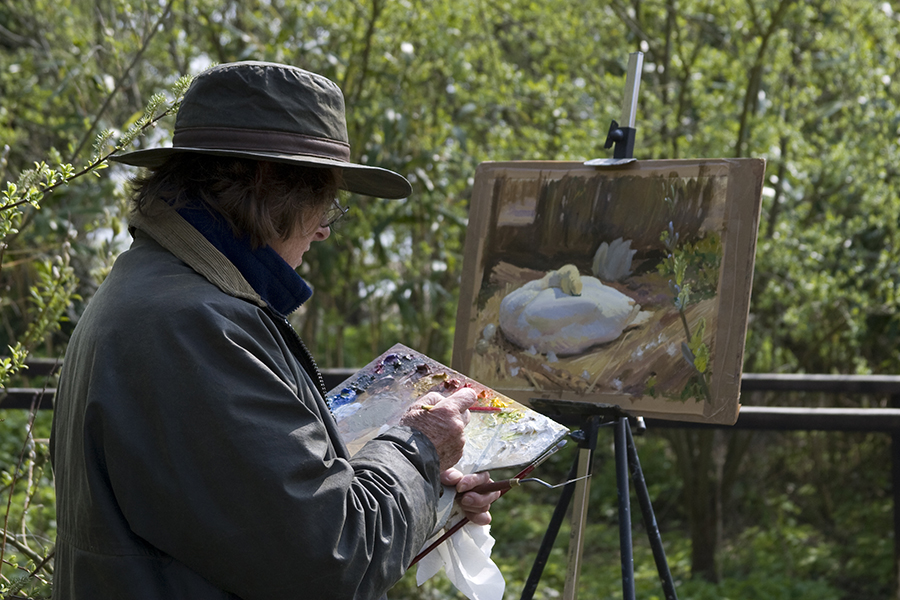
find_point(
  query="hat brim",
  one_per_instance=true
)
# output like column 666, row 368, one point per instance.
column 359, row 179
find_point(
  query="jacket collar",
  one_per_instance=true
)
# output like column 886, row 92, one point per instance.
column 263, row 268
column 205, row 244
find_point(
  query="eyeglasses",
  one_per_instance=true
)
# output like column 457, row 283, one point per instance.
column 332, row 214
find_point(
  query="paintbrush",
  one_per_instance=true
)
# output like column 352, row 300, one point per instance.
column 472, row 408
column 506, row 484
column 523, row 473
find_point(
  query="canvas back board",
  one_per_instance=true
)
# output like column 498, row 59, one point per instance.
column 627, row 286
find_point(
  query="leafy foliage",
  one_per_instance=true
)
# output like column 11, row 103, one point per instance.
column 434, row 89
column 37, row 261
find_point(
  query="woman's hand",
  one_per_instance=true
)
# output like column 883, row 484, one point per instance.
column 443, row 421
column 475, row 506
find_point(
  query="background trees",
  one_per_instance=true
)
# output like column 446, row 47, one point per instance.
column 433, row 89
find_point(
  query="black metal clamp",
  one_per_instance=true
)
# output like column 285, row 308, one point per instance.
column 622, row 138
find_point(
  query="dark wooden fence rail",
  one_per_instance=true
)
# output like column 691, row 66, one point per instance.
column 779, row 418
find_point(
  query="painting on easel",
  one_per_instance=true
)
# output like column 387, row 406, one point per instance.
column 626, row 286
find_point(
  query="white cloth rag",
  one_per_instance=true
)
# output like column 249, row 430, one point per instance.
column 466, row 559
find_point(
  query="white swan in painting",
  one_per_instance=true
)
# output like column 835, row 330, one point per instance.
column 566, row 313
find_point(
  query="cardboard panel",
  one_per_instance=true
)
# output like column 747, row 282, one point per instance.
column 627, row 286
column 501, row 433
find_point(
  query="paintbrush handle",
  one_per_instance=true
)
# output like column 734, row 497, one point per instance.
column 495, row 486
column 459, row 524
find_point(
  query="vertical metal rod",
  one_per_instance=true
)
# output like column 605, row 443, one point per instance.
column 579, row 524
column 895, row 479
column 895, row 483
column 559, row 514
column 580, row 507
column 643, row 495
column 626, row 548
column 632, row 89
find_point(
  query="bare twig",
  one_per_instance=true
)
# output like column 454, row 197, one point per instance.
column 15, row 38
column 15, row 476
column 26, row 550
column 40, row 561
column 40, row 565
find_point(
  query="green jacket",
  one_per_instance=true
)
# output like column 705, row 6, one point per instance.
column 195, row 458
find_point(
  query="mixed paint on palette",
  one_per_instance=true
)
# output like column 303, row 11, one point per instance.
column 501, row 432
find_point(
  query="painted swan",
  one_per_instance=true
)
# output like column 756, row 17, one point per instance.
column 566, row 313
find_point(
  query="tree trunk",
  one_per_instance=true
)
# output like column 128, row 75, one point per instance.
column 694, row 454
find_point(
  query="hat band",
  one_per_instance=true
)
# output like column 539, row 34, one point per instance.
column 256, row 140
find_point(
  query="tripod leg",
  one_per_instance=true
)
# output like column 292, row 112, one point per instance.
column 659, row 553
column 540, row 561
column 626, row 548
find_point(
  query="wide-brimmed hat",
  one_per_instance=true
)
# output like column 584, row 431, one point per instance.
column 268, row 111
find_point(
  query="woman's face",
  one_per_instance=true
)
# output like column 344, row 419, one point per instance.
column 296, row 245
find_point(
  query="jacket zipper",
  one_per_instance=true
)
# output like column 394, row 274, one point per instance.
column 303, row 355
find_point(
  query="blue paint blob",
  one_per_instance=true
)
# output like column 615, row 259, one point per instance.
column 346, row 396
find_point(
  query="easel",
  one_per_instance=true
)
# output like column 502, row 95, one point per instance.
column 593, row 417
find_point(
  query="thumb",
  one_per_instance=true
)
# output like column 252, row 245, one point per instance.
column 461, row 399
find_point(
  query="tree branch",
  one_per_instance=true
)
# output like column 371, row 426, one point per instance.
column 145, row 43
column 756, row 74
column 12, row 487
column 634, row 27
column 355, row 88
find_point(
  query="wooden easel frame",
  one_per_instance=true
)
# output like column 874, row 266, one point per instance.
column 627, row 463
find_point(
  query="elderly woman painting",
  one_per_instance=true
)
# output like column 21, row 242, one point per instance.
column 194, row 454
